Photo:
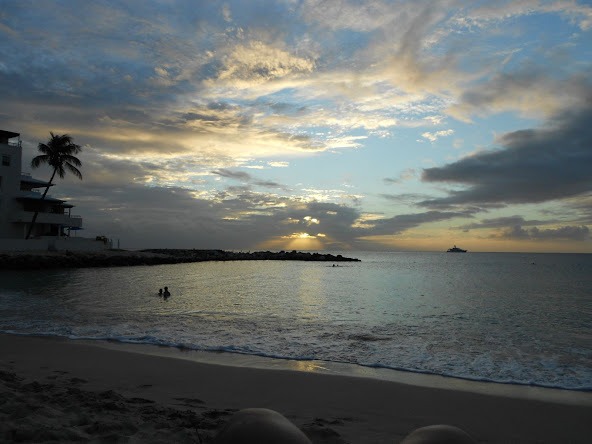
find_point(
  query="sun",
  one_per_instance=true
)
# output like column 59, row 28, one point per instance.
column 297, row 241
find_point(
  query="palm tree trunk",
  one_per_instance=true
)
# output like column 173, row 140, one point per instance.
column 42, row 199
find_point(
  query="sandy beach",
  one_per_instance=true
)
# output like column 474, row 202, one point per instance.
column 64, row 391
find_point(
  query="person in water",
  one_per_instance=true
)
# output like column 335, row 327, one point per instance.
column 166, row 293
column 160, row 292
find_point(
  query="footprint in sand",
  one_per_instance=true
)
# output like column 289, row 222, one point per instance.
column 139, row 401
column 78, row 380
column 190, row 401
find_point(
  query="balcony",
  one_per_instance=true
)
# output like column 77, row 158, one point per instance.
column 47, row 218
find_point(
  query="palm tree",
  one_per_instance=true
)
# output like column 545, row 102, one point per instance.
column 58, row 153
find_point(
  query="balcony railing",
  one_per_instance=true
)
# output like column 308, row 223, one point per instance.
column 47, row 218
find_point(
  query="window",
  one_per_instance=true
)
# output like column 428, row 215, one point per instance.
column 5, row 160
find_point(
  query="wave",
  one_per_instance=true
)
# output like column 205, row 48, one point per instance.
column 242, row 350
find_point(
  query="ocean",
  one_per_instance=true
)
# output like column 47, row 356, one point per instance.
column 498, row 317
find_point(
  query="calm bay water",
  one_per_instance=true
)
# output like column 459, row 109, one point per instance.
column 511, row 318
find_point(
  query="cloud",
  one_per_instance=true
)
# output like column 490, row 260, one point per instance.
column 512, row 227
column 403, row 222
column 258, row 62
column 407, row 198
column 226, row 13
column 499, row 222
column 361, row 16
column 410, row 68
column 311, row 220
column 237, row 175
column 535, row 165
column 432, row 137
column 407, row 174
column 269, row 184
column 531, row 90
column 278, row 164
column 574, row 233
column 583, row 207
column 246, row 177
column 172, row 107
column 6, row 29
column 498, row 11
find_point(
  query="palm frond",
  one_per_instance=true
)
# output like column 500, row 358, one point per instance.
column 43, row 148
column 60, row 170
column 57, row 152
column 74, row 170
column 36, row 162
column 71, row 159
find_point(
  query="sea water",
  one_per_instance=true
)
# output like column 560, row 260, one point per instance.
column 506, row 318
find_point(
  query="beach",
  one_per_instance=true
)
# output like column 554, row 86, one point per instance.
column 61, row 390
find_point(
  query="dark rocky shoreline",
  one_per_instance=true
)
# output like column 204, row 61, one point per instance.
column 123, row 258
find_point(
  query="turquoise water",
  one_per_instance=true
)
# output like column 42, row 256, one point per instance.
column 511, row 318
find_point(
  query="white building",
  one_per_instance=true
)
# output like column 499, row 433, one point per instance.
column 20, row 197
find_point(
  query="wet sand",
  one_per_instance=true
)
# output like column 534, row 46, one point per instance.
column 64, row 391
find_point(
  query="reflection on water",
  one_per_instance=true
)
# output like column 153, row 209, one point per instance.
column 308, row 366
column 485, row 316
column 308, row 285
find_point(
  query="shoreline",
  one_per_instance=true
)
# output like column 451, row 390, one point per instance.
column 328, row 406
column 407, row 377
column 34, row 260
column 576, row 396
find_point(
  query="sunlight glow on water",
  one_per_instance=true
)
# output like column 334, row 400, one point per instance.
column 497, row 317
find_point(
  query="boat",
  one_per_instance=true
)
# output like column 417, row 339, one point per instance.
column 455, row 249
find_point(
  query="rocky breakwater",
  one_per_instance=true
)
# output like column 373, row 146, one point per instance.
column 121, row 258
column 221, row 255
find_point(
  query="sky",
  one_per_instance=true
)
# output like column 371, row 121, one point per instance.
column 312, row 125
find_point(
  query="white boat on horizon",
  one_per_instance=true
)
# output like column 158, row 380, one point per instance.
column 455, row 249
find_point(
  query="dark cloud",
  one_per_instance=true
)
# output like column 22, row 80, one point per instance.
column 405, row 175
column 584, row 208
column 203, row 117
column 501, row 86
column 268, row 184
column 535, row 165
column 338, row 218
column 410, row 198
column 220, row 106
column 238, row 189
column 569, row 232
column 237, row 175
column 512, row 227
column 288, row 109
column 500, row 222
column 531, row 87
column 403, row 222
column 174, row 217
column 115, row 201
column 574, row 233
column 246, row 177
